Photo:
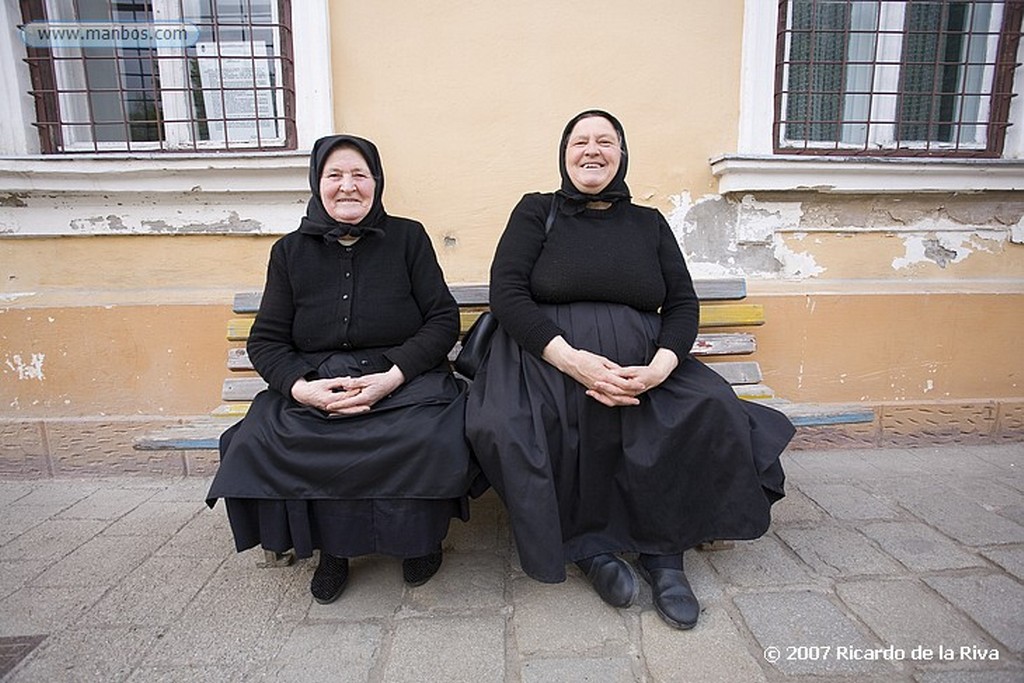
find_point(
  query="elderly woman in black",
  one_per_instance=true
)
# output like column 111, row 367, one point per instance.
column 358, row 444
column 597, row 428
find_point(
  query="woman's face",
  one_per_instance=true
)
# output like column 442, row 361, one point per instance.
column 346, row 185
column 592, row 154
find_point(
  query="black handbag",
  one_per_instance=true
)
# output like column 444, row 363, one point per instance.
column 475, row 345
column 478, row 337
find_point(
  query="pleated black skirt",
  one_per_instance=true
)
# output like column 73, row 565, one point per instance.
column 692, row 463
column 387, row 481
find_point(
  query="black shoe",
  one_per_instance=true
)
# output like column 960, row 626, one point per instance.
column 418, row 570
column 673, row 597
column 329, row 579
column 613, row 578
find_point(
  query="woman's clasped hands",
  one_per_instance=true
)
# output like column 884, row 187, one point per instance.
column 605, row 380
column 347, row 395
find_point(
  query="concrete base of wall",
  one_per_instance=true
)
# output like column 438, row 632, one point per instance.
column 102, row 446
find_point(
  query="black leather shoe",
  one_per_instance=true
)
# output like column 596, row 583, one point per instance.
column 673, row 597
column 613, row 578
column 329, row 579
column 418, row 570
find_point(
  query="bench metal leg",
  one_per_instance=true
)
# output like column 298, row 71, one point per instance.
column 273, row 559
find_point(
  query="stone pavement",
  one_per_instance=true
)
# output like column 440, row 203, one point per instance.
column 881, row 565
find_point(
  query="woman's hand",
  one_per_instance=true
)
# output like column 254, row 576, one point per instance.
column 655, row 372
column 347, row 395
column 605, row 380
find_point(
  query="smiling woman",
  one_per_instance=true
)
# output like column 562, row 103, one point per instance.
column 593, row 154
column 347, row 186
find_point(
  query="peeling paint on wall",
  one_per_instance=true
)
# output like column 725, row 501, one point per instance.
column 1017, row 232
column 944, row 248
column 31, row 370
column 720, row 236
column 759, row 235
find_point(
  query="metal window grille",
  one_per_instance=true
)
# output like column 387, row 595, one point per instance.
column 229, row 88
column 912, row 78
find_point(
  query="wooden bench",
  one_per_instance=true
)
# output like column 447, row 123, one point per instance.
column 725, row 337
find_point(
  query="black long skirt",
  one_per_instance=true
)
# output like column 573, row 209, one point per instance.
column 691, row 463
column 387, row 481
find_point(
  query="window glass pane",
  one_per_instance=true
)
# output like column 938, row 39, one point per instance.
column 817, row 56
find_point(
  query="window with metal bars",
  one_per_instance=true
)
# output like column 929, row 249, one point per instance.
column 226, row 83
column 911, row 78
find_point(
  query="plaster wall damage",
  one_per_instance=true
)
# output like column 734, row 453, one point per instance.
column 46, row 214
column 761, row 236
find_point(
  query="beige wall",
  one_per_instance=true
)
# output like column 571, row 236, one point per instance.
column 467, row 100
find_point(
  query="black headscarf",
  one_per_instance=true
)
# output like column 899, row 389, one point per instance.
column 574, row 201
column 317, row 221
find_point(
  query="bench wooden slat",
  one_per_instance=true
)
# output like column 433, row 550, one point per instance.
column 821, row 414
column 241, row 388
column 245, row 388
column 711, row 344
column 754, row 391
column 724, row 344
column 711, row 315
column 238, row 408
column 731, row 315
column 708, row 289
column 738, row 372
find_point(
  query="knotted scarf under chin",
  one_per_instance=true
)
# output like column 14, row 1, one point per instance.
column 343, row 230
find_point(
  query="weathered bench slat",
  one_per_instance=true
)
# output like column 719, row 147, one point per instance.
column 738, row 372
column 820, row 414
column 713, row 344
column 711, row 315
column 752, row 392
column 729, row 315
column 710, row 289
column 245, row 388
column 241, row 388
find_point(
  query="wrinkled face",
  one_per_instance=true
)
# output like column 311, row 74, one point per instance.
column 592, row 154
column 346, row 185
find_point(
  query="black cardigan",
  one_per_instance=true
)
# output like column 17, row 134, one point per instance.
column 387, row 290
column 625, row 254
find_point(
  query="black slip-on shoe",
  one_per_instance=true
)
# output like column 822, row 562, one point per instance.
column 613, row 578
column 329, row 579
column 416, row 571
column 673, row 598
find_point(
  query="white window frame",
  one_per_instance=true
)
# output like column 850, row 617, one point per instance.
column 754, row 166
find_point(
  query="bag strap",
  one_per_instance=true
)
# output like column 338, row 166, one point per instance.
column 551, row 213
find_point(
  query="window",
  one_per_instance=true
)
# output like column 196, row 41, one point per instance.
column 223, row 82
column 914, row 78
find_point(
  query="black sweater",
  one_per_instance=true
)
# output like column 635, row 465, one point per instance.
column 384, row 291
column 625, row 254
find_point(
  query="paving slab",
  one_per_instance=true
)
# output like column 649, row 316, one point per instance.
column 994, row 601
column 834, row 550
column 714, row 652
column 919, row 547
column 579, row 670
column 805, row 633
column 447, row 649
column 910, row 616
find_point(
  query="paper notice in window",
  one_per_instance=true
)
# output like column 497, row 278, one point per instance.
column 237, row 92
